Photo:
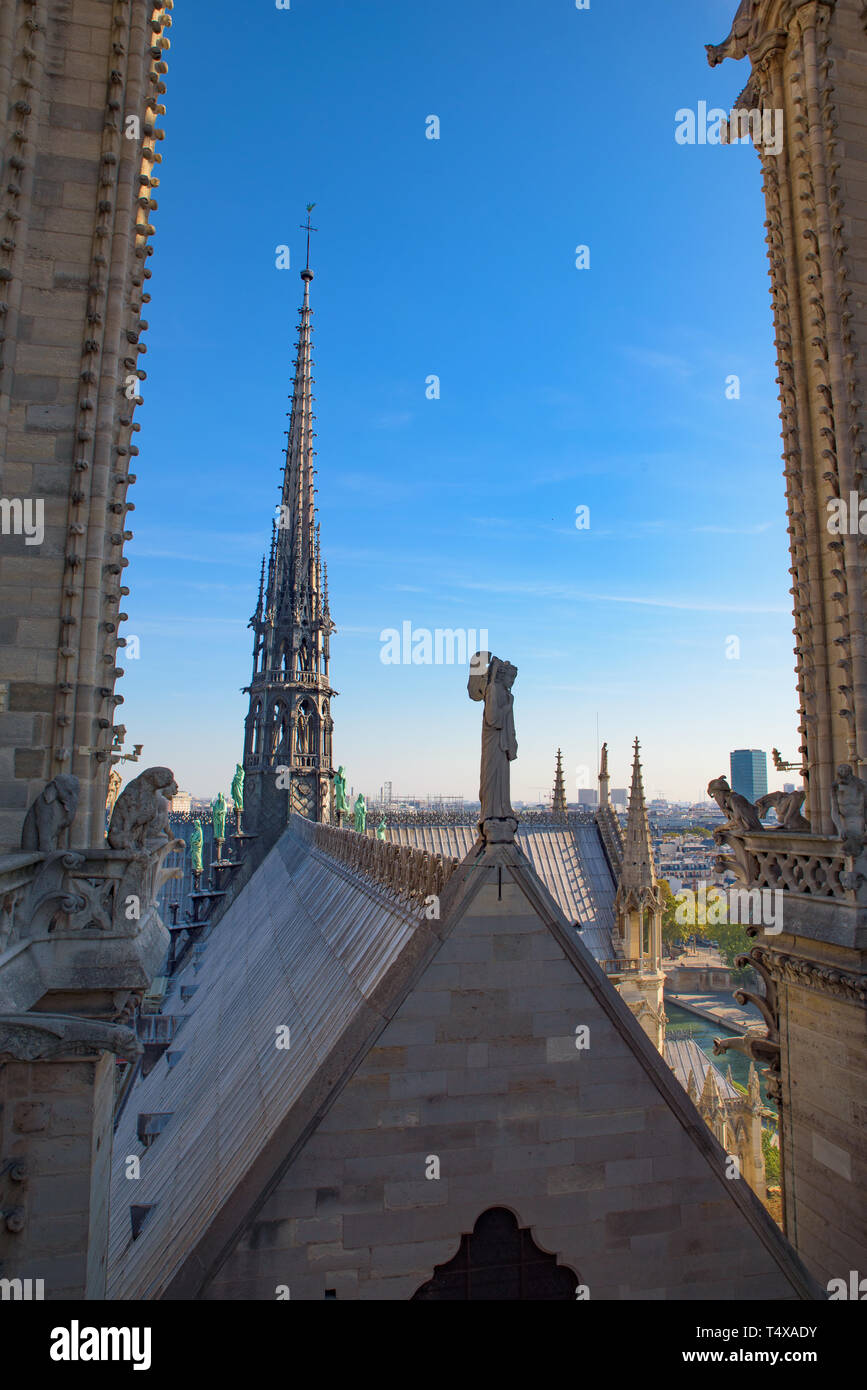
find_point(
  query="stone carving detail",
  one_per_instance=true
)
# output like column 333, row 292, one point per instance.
column 140, row 820
column 788, row 808
column 52, row 812
column 843, row 984
column 762, row 1048
column 735, row 45
column 14, row 1174
column 741, row 814
column 849, row 809
column 29, row 1037
column 410, row 873
column 491, row 682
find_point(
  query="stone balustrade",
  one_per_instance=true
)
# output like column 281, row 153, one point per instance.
column 412, row 874
column 811, row 866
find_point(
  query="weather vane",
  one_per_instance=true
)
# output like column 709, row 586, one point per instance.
column 306, row 227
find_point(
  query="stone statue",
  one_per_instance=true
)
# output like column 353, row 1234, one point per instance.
column 196, row 842
column 114, row 785
column 301, row 732
column 238, row 787
column 788, row 808
column 603, row 762
column 740, row 813
column 140, row 820
column 238, row 795
column 491, row 681
column 340, row 791
column 52, row 812
column 218, row 816
column 380, row 830
column 849, row 809
column 360, row 813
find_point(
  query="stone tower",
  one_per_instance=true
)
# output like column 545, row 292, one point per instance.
column 80, row 940
column 558, row 803
column 638, row 905
column 809, row 74
column 287, row 742
column 80, row 86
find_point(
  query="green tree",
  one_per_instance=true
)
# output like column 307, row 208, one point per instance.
column 772, row 1158
column 672, row 930
column 732, row 941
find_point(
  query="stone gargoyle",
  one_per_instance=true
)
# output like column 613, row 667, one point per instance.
column 741, row 814
column 849, row 809
column 140, row 820
column 52, row 812
column 788, row 808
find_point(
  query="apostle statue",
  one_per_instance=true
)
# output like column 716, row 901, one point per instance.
column 360, row 814
column 340, row 806
column 380, row 830
column 491, row 682
column 218, row 818
column 238, row 795
column 238, row 787
column 196, row 842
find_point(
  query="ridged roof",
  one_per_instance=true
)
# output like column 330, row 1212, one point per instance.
column 306, row 945
column 570, row 861
column 684, row 1055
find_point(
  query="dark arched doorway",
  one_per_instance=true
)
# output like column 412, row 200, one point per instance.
column 499, row 1261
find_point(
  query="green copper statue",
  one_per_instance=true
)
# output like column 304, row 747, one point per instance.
column 238, row 787
column 380, row 830
column 360, row 814
column 340, row 791
column 218, row 816
column 196, row 840
column 238, row 795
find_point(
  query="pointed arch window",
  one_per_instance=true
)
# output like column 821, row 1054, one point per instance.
column 499, row 1261
column 256, row 729
column 306, row 728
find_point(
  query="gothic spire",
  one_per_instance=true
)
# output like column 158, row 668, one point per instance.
column 637, row 867
column 288, row 731
column 295, row 571
column 558, row 804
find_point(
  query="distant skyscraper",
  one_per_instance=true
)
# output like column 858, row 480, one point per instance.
column 749, row 772
column 588, row 796
column 618, row 796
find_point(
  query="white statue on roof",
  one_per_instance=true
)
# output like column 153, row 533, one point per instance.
column 491, row 681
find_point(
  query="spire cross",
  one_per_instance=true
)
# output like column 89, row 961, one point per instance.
column 306, row 227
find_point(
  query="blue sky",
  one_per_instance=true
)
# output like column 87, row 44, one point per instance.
column 560, row 387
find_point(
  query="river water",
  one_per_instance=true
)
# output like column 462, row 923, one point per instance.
column 704, row 1032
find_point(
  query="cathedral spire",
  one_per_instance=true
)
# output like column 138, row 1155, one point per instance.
column 558, row 804
column 637, row 870
column 287, row 748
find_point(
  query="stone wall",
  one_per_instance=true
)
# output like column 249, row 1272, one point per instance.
column 823, row 1121
column 55, row 1122
column 613, row 1170
column 77, row 203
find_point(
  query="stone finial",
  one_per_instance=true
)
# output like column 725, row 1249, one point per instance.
column 52, row 812
column 558, row 802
